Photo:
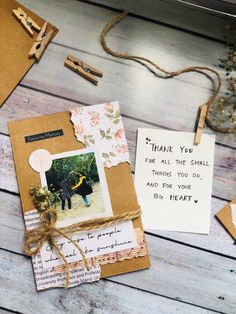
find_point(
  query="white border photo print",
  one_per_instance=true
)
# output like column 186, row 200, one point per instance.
column 75, row 206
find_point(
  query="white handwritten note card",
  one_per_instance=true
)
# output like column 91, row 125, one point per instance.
column 173, row 179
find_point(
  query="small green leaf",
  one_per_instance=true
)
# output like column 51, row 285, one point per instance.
column 92, row 141
column 86, row 143
column 108, row 131
column 108, row 137
column 108, row 115
column 102, row 133
column 112, row 154
column 116, row 121
column 117, row 114
column 105, row 155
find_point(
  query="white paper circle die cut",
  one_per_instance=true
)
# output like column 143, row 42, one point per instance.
column 40, row 160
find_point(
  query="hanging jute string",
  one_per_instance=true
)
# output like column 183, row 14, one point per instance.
column 168, row 74
column 35, row 238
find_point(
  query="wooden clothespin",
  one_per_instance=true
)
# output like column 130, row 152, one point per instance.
column 41, row 42
column 26, row 21
column 82, row 68
column 200, row 124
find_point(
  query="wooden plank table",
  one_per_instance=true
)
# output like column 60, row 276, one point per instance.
column 190, row 273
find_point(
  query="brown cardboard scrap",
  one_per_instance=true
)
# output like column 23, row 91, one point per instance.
column 15, row 46
column 225, row 217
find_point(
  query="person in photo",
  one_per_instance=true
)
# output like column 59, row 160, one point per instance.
column 65, row 193
column 82, row 188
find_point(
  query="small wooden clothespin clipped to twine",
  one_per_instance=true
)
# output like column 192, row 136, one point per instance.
column 26, row 21
column 82, row 69
column 204, row 109
column 202, row 112
column 41, row 42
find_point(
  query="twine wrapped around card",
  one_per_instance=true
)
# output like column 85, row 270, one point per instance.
column 168, row 74
column 47, row 231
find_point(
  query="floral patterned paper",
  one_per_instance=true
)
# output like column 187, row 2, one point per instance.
column 102, row 125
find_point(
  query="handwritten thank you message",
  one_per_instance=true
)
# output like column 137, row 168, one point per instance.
column 173, row 179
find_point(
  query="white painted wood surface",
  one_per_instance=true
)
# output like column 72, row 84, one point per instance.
column 190, row 273
column 98, row 298
column 177, row 13
column 178, row 271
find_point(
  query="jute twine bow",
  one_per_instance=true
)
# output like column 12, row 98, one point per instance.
column 35, row 238
column 168, row 74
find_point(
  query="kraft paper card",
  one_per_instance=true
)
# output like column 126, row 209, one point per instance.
column 15, row 46
column 83, row 156
column 173, row 180
column 227, row 216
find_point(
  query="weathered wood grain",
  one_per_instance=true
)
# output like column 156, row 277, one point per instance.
column 177, row 267
column 5, row 311
column 178, row 272
column 177, row 13
column 26, row 103
column 225, row 6
column 98, row 298
column 224, row 183
column 139, row 91
column 173, row 13
column 74, row 19
column 145, row 91
column 171, row 48
column 11, row 223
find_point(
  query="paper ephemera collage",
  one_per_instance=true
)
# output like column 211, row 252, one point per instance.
column 79, row 177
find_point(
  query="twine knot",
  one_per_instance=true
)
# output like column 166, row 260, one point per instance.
column 46, row 232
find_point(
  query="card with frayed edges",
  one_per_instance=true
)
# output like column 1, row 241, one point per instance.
column 80, row 162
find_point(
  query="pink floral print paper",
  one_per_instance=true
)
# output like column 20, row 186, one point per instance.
column 102, row 125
